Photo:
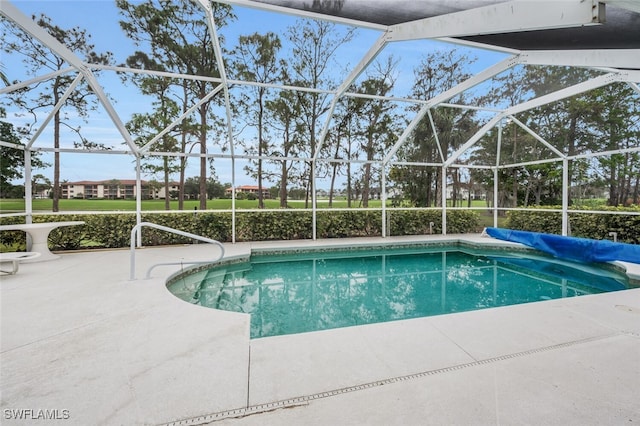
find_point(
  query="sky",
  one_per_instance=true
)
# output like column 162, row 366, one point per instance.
column 100, row 19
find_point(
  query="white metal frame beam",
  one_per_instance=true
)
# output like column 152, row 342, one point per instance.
column 576, row 89
column 448, row 94
column 512, row 16
column 179, row 120
column 498, row 18
column 605, row 58
column 31, row 28
column 55, row 109
column 27, row 83
column 211, row 24
column 537, row 137
column 364, row 62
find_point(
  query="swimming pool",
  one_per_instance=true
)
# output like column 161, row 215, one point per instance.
column 289, row 293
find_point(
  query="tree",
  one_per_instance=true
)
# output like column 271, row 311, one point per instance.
column 256, row 60
column 343, row 130
column 285, row 111
column 144, row 126
column 45, row 95
column 567, row 123
column 40, row 183
column 618, row 127
column 378, row 126
column 12, row 159
column 603, row 119
column 176, row 33
column 192, row 187
column 314, row 46
column 437, row 72
column 215, row 189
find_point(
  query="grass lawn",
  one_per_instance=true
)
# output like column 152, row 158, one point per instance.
column 17, row 205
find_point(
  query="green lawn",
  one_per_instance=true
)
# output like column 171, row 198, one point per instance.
column 17, row 205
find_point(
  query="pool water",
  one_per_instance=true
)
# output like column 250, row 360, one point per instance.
column 296, row 293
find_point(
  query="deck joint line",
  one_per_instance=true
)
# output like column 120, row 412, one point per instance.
column 306, row 399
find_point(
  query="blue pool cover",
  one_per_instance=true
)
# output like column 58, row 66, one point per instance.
column 579, row 249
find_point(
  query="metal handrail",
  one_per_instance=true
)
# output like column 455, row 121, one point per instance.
column 134, row 231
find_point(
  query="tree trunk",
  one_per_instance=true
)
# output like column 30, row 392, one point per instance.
column 334, row 171
column 333, row 182
column 366, row 186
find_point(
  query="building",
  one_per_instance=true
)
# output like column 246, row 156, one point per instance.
column 248, row 189
column 114, row 189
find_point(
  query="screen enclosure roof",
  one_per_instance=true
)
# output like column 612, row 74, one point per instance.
column 602, row 35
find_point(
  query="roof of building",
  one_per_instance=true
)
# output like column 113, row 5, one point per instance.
column 244, row 187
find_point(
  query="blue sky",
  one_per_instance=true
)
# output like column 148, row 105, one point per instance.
column 100, row 18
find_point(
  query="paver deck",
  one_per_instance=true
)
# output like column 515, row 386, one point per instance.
column 86, row 344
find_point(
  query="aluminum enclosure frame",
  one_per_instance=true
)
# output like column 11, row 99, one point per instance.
column 464, row 27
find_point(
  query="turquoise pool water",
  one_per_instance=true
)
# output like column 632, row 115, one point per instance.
column 296, row 293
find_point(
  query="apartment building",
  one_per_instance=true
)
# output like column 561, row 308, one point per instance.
column 114, row 189
column 248, row 189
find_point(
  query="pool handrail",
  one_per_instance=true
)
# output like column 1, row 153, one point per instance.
column 134, row 231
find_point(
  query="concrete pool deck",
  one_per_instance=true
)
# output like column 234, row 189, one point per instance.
column 82, row 343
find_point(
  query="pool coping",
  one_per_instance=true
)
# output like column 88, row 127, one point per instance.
column 78, row 335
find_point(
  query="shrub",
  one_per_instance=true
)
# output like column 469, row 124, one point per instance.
column 585, row 225
column 114, row 230
column 418, row 222
column 268, row 225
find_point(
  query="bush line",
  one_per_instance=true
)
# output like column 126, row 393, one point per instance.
column 585, row 225
column 114, row 230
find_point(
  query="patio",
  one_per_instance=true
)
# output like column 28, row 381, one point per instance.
column 83, row 342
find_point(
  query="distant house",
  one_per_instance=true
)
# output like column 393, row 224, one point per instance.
column 478, row 192
column 114, row 189
column 248, row 189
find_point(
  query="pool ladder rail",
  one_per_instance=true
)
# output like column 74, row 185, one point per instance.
column 134, row 233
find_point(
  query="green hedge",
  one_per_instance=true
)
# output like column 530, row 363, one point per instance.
column 416, row 222
column 114, row 230
column 586, row 225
